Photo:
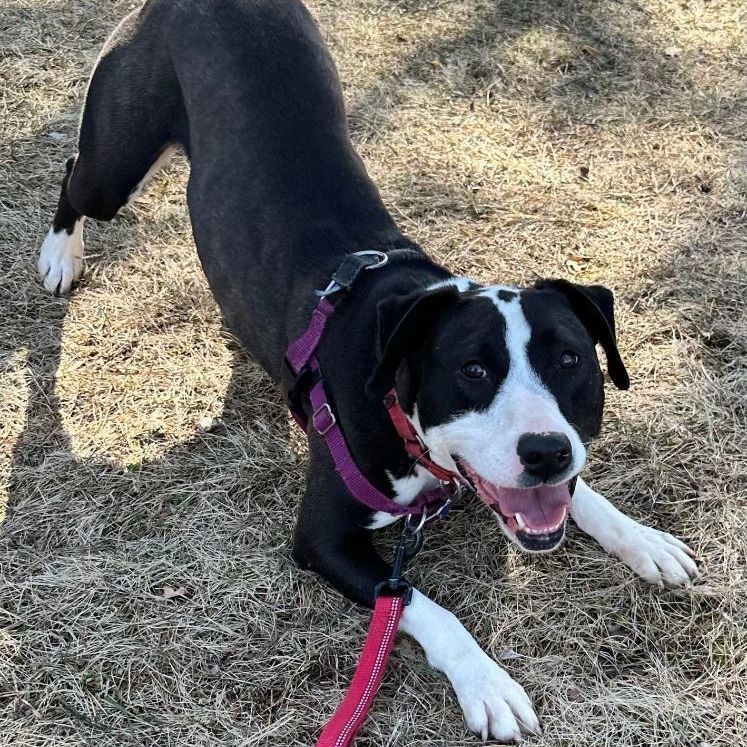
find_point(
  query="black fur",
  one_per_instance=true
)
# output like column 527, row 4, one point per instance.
column 593, row 305
column 277, row 197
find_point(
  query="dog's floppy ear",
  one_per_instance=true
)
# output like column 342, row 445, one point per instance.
column 594, row 306
column 404, row 320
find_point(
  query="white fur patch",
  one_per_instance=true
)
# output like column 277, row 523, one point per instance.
column 488, row 440
column 494, row 705
column 61, row 259
column 655, row 556
column 460, row 283
column 406, row 490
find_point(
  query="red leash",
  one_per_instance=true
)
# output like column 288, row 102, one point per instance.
column 392, row 596
column 351, row 713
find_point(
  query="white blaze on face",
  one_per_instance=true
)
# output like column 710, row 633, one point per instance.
column 487, row 440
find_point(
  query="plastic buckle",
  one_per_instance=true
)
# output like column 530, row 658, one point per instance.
column 288, row 380
column 289, row 385
column 323, row 428
column 349, row 269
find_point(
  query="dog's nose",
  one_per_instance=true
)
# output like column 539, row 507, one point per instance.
column 544, row 455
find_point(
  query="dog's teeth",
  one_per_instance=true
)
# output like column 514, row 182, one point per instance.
column 521, row 523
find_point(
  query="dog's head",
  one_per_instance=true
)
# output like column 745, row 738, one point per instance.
column 504, row 385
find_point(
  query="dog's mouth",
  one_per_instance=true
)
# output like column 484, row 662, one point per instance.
column 534, row 518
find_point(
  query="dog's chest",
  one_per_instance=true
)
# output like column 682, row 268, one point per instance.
column 405, row 491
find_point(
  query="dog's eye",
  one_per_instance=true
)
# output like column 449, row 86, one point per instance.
column 568, row 359
column 473, row 370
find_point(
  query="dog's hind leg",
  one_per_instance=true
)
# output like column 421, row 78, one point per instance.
column 132, row 117
column 657, row 557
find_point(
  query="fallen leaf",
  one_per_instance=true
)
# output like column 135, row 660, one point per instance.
column 169, row 593
column 508, row 653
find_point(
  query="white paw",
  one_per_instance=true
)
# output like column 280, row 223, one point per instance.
column 61, row 259
column 657, row 557
column 494, row 705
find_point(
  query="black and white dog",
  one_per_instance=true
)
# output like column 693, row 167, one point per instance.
column 500, row 382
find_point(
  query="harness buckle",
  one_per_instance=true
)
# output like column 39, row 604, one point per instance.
column 329, row 420
column 350, row 267
column 291, row 385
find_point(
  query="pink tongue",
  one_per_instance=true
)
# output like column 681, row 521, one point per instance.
column 540, row 507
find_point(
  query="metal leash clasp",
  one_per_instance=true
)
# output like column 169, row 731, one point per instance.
column 408, row 545
column 411, row 540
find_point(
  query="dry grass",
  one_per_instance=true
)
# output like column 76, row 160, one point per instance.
column 476, row 119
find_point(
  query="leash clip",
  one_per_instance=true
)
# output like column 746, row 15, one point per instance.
column 408, row 545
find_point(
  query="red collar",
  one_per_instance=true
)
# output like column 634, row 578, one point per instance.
column 413, row 443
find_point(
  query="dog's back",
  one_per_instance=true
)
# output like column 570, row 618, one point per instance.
column 276, row 193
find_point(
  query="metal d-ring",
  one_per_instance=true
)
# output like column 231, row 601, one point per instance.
column 382, row 257
column 423, row 520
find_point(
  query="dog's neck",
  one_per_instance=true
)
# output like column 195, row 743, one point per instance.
column 348, row 356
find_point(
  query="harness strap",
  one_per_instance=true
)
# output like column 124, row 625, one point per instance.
column 301, row 370
column 325, row 424
column 413, row 443
column 300, row 361
column 300, row 352
column 351, row 713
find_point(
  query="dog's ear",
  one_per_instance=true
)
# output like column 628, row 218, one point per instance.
column 404, row 321
column 594, row 306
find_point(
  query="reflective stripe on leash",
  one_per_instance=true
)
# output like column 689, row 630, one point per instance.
column 352, row 712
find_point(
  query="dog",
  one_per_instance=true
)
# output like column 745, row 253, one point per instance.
column 501, row 384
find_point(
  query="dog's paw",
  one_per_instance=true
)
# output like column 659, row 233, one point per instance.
column 61, row 259
column 494, row 705
column 657, row 557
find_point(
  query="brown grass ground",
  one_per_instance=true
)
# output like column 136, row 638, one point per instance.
column 598, row 139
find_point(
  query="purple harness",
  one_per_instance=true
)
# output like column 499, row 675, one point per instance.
column 301, row 360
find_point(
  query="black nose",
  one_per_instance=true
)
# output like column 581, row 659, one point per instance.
column 544, row 455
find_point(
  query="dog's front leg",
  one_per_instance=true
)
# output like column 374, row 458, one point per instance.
column 494, row 705
column 330, row 541
column 655, row 556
